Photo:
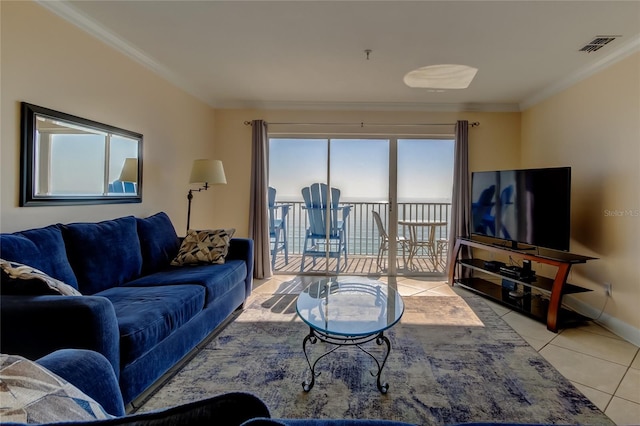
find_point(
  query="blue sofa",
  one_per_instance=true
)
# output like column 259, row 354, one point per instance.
column 140, row 313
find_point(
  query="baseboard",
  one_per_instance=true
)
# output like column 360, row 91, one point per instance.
column 626, row 331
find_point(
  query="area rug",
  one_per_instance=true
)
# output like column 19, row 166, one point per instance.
column 453, row 360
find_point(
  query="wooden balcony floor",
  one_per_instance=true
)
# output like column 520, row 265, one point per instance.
column 358, row 265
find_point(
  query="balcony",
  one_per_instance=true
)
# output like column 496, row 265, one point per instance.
column 363, row 240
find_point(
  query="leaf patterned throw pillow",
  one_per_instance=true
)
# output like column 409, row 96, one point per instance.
column 23, row 279
column 32, row 394
column 206, row 246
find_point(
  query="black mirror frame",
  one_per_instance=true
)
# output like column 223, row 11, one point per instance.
column 28, row 196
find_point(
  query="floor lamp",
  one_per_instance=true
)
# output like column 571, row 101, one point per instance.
column 206, row 173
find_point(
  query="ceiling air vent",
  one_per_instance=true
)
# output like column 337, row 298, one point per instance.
column 598, row 43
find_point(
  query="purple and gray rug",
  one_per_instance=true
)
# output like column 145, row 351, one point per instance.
column 453, row 360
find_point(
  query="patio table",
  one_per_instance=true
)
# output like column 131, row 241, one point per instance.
column 415, row 243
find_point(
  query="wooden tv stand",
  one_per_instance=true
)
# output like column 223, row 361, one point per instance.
column 540, row 298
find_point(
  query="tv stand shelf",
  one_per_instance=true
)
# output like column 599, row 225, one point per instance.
column 541, row 297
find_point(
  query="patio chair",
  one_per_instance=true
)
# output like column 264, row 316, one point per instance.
column 119, row 187
column 384, row 240
column 501, row 211
column 278, row 228
column 442, row 250
column 324, row 239
column 481, row 209
column 506, row 204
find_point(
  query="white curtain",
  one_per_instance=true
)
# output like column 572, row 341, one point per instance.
column 259, row 210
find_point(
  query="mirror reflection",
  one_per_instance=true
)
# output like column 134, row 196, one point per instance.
column 70, row 160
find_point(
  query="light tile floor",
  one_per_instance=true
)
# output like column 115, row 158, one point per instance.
column 603, row 366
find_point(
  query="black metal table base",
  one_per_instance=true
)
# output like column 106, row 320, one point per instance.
column 339, row 341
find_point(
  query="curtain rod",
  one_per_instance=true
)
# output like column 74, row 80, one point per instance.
column 363, row 124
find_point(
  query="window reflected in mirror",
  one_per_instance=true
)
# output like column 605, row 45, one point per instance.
column 71, row 160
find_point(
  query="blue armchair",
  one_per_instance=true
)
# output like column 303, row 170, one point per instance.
column 324, row 239
column 278, row 228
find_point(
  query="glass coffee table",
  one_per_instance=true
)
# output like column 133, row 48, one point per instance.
column 348, row 311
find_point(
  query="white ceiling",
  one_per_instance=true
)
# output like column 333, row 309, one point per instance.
column 311, row 54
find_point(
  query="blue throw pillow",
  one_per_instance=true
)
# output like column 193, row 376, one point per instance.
column 103, row 254
column 159, row 242
column 41, row 248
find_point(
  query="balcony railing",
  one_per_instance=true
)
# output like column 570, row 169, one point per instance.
column 362, row 234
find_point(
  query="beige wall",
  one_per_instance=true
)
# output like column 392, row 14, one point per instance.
column 493, row 144
column 49, row 62
column 594, row 127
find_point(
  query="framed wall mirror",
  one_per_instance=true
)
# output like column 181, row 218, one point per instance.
column 71, row 160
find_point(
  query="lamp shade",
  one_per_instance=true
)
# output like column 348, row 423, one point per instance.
column 129, row 171
column 210, row 172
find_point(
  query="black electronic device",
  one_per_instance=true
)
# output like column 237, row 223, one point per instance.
column 517, row 272
column 493, row 265
column 508, row 285
column 510, row 270
column 528, row 206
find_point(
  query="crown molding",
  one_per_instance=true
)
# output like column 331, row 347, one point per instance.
column 369, row 106
column 73, row 16
column 624, row 50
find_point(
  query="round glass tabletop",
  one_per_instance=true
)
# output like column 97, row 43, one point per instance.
column 349, row 306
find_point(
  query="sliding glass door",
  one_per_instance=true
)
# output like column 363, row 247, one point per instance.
column 348, row 197
column 425, row 184
column 332, row 186
column 360, row 169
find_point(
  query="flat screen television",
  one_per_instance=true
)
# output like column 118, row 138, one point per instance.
column 528, row 206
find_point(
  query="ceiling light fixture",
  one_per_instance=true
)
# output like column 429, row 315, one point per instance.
column 445, row 76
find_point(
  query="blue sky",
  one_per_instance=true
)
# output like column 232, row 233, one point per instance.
column 84, row 155
column 360, row 167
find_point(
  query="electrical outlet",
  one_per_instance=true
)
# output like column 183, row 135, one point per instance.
column 607, row 289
